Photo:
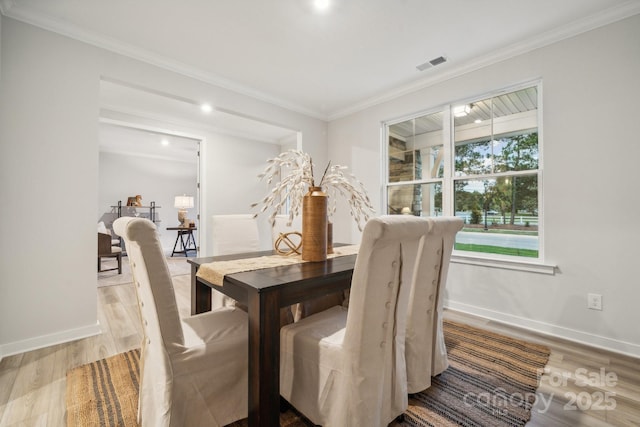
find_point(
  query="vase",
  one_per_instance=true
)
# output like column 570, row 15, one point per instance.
column 314, row 225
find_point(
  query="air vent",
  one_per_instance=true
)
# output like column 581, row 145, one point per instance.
column 435, row 61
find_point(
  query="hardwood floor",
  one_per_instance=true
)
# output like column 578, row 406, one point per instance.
column 572, row 391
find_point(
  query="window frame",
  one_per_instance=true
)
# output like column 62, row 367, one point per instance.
column 448, row 146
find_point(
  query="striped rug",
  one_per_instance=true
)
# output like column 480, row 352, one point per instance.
column 491, row 381
column 104, row 393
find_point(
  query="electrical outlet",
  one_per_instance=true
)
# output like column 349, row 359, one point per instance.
column 594, row 301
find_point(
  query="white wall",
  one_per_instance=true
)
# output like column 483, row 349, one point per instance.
column 591, row 207
column 158, row 180
column 49, row 170
column 49, row 108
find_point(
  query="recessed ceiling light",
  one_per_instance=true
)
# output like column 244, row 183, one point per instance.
column 321, row 4
column 164, row 142
column 461, row 110
column 206, row 108
column 477, row 121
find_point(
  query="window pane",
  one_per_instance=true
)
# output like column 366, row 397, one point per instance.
column 497, row 134
column 516, row 152
column 501, row 215
column 415, row 199
column 473, row 158
column 415, row 149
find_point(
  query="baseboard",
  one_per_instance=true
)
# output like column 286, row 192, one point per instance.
column 49, row 340
column 617, row 346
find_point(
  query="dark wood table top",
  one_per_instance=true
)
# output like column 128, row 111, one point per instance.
column 288, row 276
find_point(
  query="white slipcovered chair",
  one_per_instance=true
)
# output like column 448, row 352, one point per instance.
column 426, row 352
column 193, row 370
column 345, row 367
column 233, row 234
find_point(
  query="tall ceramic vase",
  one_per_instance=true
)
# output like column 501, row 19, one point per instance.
column 314, row 225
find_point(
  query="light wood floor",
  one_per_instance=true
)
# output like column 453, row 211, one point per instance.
column 32, row 384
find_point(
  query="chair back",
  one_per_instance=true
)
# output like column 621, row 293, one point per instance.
column 156, row 297
column 426, row 353
column 280, row 226
column 376, row 320
column 104, row 244
column 234, row 234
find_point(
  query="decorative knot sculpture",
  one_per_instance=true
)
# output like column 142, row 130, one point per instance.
column 290, row 247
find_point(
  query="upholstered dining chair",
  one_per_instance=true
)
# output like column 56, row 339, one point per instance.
column 426, row 352
column 345, row 367
column 233, row 234
column 194, row 370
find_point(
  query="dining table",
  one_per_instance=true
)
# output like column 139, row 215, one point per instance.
column 264, row 291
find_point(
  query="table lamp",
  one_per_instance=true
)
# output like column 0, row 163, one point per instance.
column 182, row 203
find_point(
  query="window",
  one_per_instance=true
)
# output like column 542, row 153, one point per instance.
column 479, row 160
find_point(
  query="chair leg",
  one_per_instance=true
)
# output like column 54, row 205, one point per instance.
column 119, row 263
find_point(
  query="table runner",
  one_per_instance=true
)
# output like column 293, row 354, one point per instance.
column 214, row 272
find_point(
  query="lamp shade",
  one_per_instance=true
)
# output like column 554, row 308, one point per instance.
column 183, row 202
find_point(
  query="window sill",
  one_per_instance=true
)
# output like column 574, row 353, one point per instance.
column 508, row 264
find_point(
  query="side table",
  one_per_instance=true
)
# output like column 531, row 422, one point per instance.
column 185, row 240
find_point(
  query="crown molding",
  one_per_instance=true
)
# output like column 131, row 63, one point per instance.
column 625, row 10
column 614, row 14
column 149, row 57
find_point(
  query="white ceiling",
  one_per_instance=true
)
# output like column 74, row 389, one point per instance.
column 126, row 112
column 146, row 143
column 357, row 53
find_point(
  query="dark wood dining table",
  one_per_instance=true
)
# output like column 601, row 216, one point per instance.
column 264, row 292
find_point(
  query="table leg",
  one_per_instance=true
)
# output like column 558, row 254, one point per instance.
column 191, row 240
column 264, row 359
column 175, row 244
column 185, row 245
column 200, row 294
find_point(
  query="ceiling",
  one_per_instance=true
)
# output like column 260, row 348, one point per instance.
column 355, row 54
column 130, row 141
column 142, row 122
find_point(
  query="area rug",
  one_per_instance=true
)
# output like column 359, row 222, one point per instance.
column 491, row 382
column 104, row 393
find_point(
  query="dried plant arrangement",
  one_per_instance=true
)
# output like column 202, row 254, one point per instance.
column 292, row 172
column 337, row 181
